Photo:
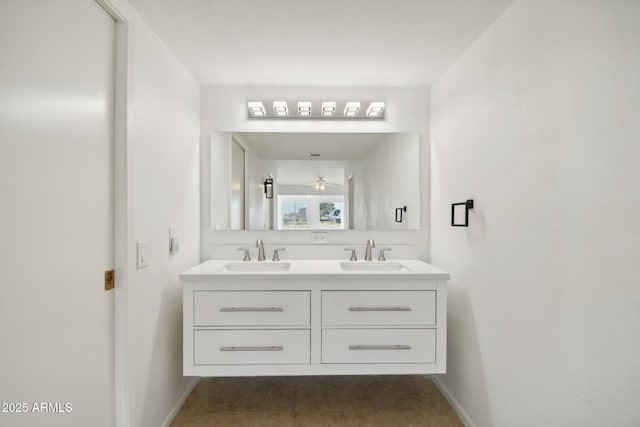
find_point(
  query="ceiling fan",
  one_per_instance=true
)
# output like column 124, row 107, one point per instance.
column 321, row 184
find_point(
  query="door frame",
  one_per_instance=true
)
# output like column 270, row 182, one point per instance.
column 123, row 14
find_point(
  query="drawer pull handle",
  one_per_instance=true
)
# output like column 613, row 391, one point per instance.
column 379, row 347
column 254, row 348
column 379, row 308
column 244, row 309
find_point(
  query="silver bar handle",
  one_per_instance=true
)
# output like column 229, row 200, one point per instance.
column 253, row 309
column 353, row 254
column 276, row 255
column 381, row 256
column 379, row 308
column 246, row 254
column 253, row 348
column 380, row 347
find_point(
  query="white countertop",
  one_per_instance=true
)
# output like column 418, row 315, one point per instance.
column 315, row 267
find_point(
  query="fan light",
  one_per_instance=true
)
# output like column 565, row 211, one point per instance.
column 320, row 184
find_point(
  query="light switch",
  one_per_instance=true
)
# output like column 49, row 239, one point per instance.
column 141, row 253
column 174, row 245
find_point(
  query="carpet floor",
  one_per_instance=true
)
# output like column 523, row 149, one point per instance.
column 317, row 401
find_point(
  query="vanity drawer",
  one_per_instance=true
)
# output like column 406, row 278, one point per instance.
column 379, row 308
column 378, row 346
column 252, row 347
column 252, row 308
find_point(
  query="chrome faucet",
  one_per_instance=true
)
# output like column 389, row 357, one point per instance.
column 260, row 247
column 367, row 251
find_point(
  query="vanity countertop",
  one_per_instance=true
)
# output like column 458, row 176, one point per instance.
column 317, row 267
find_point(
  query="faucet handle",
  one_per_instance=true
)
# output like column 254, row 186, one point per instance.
column 353, row 254
column 276, row 256
column 381, row 255
column 246, row 254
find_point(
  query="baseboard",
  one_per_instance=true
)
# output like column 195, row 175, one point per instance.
column 466, row 420
column 167, row 422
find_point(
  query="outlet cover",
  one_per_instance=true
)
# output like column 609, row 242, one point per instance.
column 320, row 238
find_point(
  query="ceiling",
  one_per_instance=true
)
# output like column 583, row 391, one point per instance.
column 291, row 175
column 318, row 43
column 299, row 146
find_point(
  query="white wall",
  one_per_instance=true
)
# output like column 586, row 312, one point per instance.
column 163, row 136
column 538, row 122
column 220, row 161
column 223, row 108
column 56, row 212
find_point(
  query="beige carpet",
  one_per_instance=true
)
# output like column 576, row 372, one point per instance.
column 317, row 401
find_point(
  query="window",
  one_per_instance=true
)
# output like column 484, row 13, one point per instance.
column 294, row 215
column 303, row 212
column 331, row 214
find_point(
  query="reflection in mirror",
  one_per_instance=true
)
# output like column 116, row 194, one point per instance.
column 321, row 181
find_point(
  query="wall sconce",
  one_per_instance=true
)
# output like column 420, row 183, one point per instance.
column 268, row 188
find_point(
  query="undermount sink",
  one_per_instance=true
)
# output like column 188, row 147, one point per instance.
column 257, row 266
column 373, row 266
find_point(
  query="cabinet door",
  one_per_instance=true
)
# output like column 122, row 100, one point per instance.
column 252, row 308
column 251, row 347
column 378, row 308
column 378, row 346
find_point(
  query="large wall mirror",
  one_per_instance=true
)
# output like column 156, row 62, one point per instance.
column 315, row 181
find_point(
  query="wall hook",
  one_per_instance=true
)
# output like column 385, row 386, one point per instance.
column 467, row 206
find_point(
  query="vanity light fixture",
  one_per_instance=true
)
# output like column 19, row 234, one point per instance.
column 351, row 109
column 256, row 109
column 316, row 110
column 375, row 109
column 268, row 188
column 304, row 108
column 281, row 108
column 328, row 108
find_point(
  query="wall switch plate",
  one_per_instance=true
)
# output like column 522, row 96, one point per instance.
column 320, row 238
column 141, row 253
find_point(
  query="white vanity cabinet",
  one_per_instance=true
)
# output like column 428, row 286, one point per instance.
column 314, row 319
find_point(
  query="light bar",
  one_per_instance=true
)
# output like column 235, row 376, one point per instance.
column 281, row 108
column 375, row 109
column 351, row 109
column 316, row 110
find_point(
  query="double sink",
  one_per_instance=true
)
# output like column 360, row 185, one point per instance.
column 362, row 266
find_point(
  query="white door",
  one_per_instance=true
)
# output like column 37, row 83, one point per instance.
column 56, row 212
